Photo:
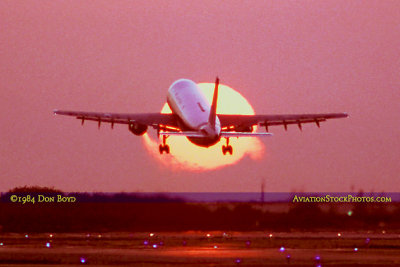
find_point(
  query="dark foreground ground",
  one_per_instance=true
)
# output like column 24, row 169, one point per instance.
column 201, row 248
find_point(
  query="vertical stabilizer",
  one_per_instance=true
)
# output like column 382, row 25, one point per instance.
column 213, row 111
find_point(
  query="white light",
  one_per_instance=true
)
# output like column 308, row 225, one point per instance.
column 339, row 234
column 270, row 235
column 151, row 234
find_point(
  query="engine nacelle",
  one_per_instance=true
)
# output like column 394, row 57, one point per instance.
column 248, row 129
column 137, row 128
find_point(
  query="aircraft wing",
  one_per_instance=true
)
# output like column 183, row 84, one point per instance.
column 149, row 119
column 272, row 120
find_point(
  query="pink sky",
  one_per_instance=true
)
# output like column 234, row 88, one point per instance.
column 121, row 56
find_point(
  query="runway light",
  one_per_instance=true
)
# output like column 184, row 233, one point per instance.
column 99, row 236
column 317, row 258
column 151, row 234
column 83, row 260
column 383, row 232
column 288, row 258
column 367, row 240
column 215, row 246
column 356, row 249
column 270, row 235
column 339, row 234
column 350, row 212
column 155, row 246
column 282, row 249
column 50, row 235
column 238, row 260
column 146, row 242
column 48, row 244
column 161, row 243
column 1, row 244
column 208, row 235
column 87, row 235
column 26, row 236
column 248, row 243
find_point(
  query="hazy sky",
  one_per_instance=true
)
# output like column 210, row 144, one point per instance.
column 121, row 56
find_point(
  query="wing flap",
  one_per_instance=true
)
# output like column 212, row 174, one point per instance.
column 271, row 120
column 150, row 119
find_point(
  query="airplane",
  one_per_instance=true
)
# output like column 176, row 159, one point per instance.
column 193, row 117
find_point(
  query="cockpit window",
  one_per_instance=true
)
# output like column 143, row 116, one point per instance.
column 201, row 108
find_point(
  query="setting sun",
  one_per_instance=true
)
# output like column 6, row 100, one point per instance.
column 185, row 155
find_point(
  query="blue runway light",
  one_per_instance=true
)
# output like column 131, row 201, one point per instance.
column 146, row 242
column 282, row 249
column 238, row 260
column 356, row 249
column 48, row 244
column 317, row 258
column 155, row 246
column 83, row 260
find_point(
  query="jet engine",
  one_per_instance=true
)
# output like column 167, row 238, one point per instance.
column 137, row 128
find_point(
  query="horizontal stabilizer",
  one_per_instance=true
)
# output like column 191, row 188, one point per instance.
column 223, row 134
column 187, row 134
column 244, row 134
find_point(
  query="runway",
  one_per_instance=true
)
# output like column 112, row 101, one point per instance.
column 200, row 248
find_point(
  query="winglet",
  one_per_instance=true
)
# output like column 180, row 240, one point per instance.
column 213, row 111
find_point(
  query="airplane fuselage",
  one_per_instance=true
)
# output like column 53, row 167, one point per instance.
column 191, row 106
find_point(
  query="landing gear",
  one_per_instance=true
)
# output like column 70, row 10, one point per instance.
column 164, row 147
column 228, row 148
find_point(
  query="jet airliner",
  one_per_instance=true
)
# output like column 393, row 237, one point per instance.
column 193, row 117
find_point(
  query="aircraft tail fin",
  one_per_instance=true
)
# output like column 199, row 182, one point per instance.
column 213, row 111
